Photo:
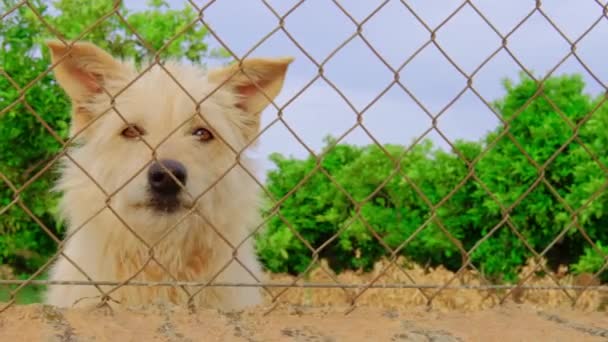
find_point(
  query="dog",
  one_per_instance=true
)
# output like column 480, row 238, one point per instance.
column 154, row 187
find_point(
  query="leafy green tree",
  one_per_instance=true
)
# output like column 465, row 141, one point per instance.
column 34, row 116
column 589, row 197
column 541, row 124
column 377, row 198
column 314, row 210
column 389, row 198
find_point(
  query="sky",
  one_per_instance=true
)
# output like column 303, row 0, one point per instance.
column 395, row 33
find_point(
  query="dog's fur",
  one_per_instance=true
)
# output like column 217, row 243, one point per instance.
column 105, row 188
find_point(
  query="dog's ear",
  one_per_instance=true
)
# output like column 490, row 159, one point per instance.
column 83, row 68
column 256, row 82
column 83, row 71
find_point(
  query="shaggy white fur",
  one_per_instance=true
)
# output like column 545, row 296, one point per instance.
column 105, row 187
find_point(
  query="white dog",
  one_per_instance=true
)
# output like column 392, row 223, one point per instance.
column 115, row 192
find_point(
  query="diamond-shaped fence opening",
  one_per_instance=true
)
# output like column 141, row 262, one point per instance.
column 514, row 215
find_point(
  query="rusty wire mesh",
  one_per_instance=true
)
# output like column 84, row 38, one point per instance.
column 429, row 292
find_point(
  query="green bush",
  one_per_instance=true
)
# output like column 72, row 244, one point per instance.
column 540, row 128
column 389, row 204
column 395, row 204
column 26, row 144
column 592, row 261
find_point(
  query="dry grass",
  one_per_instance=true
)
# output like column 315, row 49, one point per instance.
column 391, row 298
column 444, row 300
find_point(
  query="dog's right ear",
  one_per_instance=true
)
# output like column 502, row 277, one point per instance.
column 83, row 71
column 83, row 68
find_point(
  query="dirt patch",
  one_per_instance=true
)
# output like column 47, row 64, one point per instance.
column 320, row 314
column 507, row 323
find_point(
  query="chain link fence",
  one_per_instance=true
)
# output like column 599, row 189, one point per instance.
column 353, row 291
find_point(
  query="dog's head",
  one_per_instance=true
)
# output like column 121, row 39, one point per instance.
column 158, row 140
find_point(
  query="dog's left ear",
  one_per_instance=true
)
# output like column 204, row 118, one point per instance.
column 256, row 82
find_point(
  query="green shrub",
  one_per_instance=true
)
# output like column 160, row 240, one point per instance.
column 457, row 205
column 390, row 205
column 592, row 261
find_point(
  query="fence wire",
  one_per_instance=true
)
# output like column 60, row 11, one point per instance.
column 432, row 290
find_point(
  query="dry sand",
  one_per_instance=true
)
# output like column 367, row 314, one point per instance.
column 320, row 314
column 287, row 323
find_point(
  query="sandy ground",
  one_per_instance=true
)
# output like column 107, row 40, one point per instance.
column 326, row 314
column 506, row 323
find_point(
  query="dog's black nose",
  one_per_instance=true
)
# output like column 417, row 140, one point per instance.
column 161, row 181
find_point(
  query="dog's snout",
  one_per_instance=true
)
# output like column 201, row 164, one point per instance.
column 161, row 181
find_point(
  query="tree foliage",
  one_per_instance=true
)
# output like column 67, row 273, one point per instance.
column 525, row 181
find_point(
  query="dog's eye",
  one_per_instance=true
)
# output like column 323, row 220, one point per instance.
column 203, row 134
column 132, row 131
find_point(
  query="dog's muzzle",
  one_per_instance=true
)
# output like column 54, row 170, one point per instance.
column 166, row 179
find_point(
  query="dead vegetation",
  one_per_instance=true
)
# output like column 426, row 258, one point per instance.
column 443, row 299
